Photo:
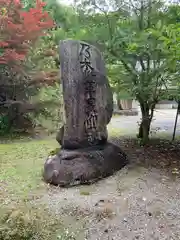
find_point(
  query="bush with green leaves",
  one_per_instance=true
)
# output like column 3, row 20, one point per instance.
column 28, row 223
column 4, row 124
column 51, row 116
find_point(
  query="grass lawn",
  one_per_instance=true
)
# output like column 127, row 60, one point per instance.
column 21, row 166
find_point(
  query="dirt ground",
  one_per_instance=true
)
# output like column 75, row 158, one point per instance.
column 142, row 201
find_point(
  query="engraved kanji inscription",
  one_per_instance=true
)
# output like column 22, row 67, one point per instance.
column 85, row 57
column 90, row 109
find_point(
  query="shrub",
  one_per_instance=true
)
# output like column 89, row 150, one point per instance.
column 52, row 116
column 28, row 223
column 4, row 124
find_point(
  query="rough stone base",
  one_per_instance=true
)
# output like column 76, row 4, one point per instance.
column 83, row 166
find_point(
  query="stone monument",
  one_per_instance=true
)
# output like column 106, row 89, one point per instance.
column 85, row 154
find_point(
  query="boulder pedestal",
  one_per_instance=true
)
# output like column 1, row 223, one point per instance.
column 83, row 166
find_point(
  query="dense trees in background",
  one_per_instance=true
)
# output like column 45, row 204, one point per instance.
column 139, row 39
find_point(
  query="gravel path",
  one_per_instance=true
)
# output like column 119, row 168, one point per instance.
column 136, row 203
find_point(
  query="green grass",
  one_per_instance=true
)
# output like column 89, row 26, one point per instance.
column 120, row 132
column 21, row 166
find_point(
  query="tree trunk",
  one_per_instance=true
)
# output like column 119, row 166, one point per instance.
column 119, row 104
column 144, row 128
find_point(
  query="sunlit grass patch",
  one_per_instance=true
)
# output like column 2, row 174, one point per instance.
column 21, row 165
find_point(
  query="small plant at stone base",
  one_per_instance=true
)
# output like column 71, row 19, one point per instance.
column 54, row 152
column 85, row 193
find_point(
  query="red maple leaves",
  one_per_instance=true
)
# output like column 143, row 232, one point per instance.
column 19, row 29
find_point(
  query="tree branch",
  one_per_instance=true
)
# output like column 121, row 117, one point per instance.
column 142, row 64
column 125, row 64
column 107, row 18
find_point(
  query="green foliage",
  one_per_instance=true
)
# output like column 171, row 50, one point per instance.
column 52, row 116
column 138, row 38
column 27, row 222
column 54, row 152
column 37, row 58
column 28, row 4
column 116, row 75
column 24, row 223
column 172, row 14
column 4, row 125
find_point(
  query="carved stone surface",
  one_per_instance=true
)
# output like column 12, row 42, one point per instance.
column 87, row 95
column 88, row 104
